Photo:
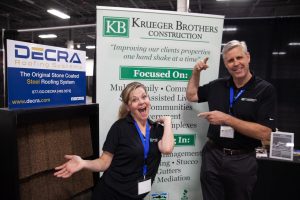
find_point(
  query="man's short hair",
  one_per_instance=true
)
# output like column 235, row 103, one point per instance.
column 232, row 44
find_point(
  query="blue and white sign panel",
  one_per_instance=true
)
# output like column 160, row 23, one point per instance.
column 41, row 75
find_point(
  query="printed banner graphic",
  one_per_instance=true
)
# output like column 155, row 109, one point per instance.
column 159, row 49
column 40, row 75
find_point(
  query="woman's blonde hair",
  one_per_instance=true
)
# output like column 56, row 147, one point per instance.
column 125, row 94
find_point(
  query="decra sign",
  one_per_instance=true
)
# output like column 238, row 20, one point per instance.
column 37, row 53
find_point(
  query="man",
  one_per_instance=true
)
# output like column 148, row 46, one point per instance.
column 242, row 114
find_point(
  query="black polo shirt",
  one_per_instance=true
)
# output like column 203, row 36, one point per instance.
column 256, row 104
column 126, row 168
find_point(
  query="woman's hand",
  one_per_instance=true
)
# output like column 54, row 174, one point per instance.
column 74, row 164
column 164, row 120
column 166, row 144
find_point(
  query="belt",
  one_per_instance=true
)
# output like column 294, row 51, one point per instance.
column 228, row 151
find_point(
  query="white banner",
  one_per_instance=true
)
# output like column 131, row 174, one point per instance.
column 159, row 49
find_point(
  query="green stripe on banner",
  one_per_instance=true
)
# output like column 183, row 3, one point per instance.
column 154, row 73
column 184, row 139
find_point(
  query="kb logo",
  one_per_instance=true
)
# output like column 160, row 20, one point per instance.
column 115, row 27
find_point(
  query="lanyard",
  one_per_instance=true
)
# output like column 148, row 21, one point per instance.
column 145, row 142
column 233, row 98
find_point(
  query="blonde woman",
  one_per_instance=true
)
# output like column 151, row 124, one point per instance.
column 132, row 150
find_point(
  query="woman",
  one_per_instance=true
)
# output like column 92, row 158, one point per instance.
column 131, row 152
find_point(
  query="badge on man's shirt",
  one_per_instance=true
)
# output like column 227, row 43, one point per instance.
column 226, row 132
column 144, row 186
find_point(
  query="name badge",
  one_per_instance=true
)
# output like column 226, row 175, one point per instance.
column 226, row 132
column 144, row 186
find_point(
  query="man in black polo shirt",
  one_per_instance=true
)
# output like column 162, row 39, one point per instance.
column 241, row 115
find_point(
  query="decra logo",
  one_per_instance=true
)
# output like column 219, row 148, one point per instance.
column 37, row 53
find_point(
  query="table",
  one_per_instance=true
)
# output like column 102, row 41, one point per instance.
column 278, row 179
